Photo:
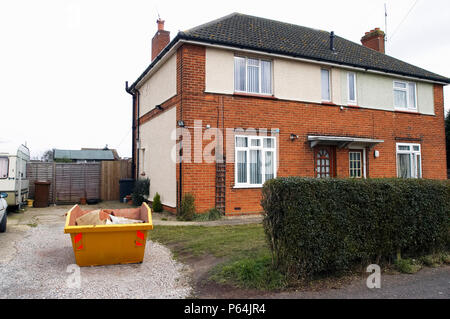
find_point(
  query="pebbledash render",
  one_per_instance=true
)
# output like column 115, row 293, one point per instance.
column 278, row 99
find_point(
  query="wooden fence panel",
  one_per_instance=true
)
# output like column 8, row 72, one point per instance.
column 40, row 171
column 92, row 181
column 112, row 172
column 72, row 181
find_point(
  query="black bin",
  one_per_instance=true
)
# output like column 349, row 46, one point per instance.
column 126, row 186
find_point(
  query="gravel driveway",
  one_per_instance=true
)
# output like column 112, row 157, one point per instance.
column 35, row 263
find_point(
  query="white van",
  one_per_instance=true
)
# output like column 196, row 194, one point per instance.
column 13, row 173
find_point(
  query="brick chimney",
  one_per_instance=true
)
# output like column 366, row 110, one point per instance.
column 374, row 40
column 160, row 39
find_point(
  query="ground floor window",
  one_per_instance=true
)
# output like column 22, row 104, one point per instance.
column 255, row 160
column 409, row 163
column 356, row 163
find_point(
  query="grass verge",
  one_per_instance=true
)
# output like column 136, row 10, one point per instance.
column 256, row 272
column 247, row 256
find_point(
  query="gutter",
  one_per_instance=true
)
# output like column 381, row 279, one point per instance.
column 158, row 58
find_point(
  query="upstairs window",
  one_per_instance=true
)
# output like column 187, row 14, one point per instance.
column 351, row 84
column 405, row 95
column 325, row 81
column 252, row 75
column 409, row 164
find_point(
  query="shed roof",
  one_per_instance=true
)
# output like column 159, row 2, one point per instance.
column 99, row 155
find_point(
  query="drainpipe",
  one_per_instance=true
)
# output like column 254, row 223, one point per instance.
column 181, row 142
column 133, row 144
column 137, row 132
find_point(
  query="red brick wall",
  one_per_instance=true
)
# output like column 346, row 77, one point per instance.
column 374, row 40
column 296, row 157
column 159, row 41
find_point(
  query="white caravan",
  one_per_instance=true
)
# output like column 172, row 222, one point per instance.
column 13, row 173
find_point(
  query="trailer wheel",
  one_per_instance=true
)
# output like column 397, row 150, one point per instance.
column 3, row 224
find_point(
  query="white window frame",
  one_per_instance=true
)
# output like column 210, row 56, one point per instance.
column 248, row 148
column 259, row 75
column 412, row 158
column 329, row 84
column 349, row 101
column 406, row 90
column 362, row 150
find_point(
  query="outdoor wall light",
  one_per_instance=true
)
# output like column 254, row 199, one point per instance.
column 293, row 136
column 376, row 154
column 181, row 123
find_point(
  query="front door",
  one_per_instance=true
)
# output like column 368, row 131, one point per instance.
column 324, row 161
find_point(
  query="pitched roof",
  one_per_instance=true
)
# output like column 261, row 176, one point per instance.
column 253, row 33
column 113, row 150
column 92, row 155
column 249, row 32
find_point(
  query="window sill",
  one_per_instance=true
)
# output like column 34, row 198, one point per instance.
column 246, row 187
column 328, row 103
column 406, row 111
column 264, row 96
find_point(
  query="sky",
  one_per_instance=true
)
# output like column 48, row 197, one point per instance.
column 64, row 63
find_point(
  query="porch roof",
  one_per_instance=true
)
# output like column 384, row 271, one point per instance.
column 342, row 141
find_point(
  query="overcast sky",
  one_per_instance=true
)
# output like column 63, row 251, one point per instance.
column 63, row 64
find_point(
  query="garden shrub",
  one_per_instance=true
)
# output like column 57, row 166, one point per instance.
column 186, row 210
column 431, row 260
column 140, row 191
column 407, row 266
column 156, row 205
column 317, row 226
column 212, row 214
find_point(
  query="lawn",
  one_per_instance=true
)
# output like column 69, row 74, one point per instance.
column 244, row 247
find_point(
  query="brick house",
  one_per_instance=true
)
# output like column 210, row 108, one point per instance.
column 287, row 101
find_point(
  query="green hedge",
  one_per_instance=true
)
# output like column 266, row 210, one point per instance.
column 317, row 226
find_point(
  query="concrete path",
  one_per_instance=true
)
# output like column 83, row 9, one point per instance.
column 231, row 221
column 55, row 214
